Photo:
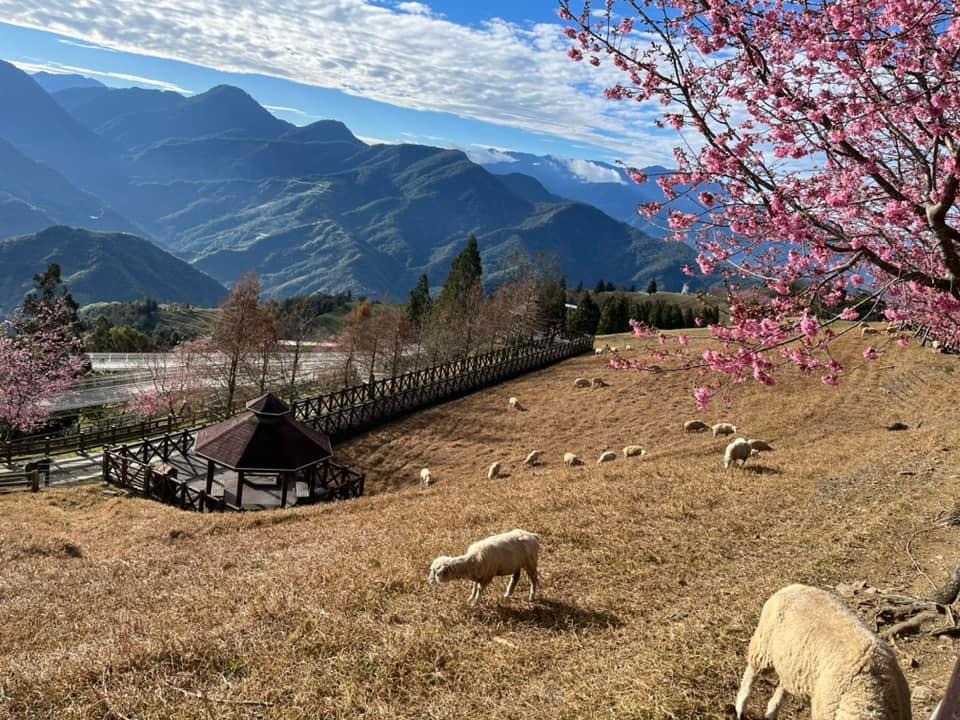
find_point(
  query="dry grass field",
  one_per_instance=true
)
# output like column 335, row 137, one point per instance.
column 653, row 570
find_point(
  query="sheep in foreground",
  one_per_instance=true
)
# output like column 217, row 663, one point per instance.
column 692, row 426
column 515, row 404
column 494, row 471
column 823, row 653
column 533, row 458
column 740, row 450
column 504, row 554
column 425, row 477
column 760, row 445
column 723, row 429
column 571, row 459
column 633, row 451
column 581, row 383
column 606, row 456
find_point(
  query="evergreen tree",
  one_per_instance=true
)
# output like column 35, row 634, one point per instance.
column 48, row 290
column 652, row 287
column 420, row 301
column 688, row 317
column 600, row 287
column 610, row 287
column 585, row 318
column 676, row 316
column 654, row 317
column 465, row 273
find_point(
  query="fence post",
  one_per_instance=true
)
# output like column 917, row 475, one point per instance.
column 35, row 480
column 80, row 443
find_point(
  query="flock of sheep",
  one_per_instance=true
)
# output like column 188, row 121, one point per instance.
column 820, row 651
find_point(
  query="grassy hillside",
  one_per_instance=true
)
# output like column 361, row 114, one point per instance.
column 653, row 570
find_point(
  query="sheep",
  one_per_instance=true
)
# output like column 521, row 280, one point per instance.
column 599, row 382
column 740, row 450
column 504, row 554
column 425, row 477
column 533, row 458
column 723, row 429
column 760, row 446
column 867, row 330
column 892, row 328
column 823, row 653
column 633, row 451
column 494, row 471
column 628, row 347
column 571, row 459
column 598, row 351
column 695, row 426
column 615, row 349
column 581, row 383
column 606, row 456
column 515, row 404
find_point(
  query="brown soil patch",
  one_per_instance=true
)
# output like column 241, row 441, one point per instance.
column 654, row 568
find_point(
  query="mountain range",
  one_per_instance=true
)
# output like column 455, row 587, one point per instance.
column 222, row 184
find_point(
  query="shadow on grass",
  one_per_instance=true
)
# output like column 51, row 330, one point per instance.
column 761, row 470
column 556, row 615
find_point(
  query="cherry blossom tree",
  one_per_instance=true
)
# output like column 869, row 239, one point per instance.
column 177, row 381
column 828, row 135
column 36, row 366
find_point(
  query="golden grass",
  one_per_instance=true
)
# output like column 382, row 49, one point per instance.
column 654, row 570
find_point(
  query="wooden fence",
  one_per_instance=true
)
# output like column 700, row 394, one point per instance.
column 339, row 415
column 355, row 409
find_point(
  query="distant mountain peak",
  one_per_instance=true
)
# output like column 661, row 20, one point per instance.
column 55, row 82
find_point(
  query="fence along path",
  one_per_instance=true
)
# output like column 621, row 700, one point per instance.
column 358, row 408
column 339, row 415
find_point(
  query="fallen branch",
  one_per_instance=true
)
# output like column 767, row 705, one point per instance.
column 911, row 625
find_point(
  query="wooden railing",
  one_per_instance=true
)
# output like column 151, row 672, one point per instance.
column 355, row 409
column 29, row 480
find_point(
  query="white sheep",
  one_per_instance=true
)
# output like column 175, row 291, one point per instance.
column 606, row 456
column 629, row 347
column 533, row 458
column 740, row 450
column 615, row 349
column 425, row 477
column 599, row 382
column 515, row 404
column 494, row 471
column 760, row 445
column 598, row 351
column 867, row 330
column 823, row 653
column 504, row 554
column 723, row 429
column 633, row 451
column 581, row 383
column 692, row 426
column 571, row 459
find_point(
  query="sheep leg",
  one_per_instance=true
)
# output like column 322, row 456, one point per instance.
column 746, row 684
column 514, row 579
column 773, row 707
column 534, row 581
column 474, row 593
column 479, row 588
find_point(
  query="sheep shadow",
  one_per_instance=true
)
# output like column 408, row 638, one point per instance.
column 557, row 616
column 761, row 470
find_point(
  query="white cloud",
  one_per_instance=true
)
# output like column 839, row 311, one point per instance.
column 85, row 46
column 592, row 172
column 500, row 72
column 488, row 156
column 414, row 8
column 61, row 69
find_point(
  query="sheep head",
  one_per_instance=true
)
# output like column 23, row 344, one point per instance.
column 439, row 570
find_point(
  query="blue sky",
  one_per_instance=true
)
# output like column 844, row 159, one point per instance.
column 454, row 73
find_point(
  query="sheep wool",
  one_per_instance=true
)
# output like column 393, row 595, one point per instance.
column 606, row 456
column 425, row 477
column 581, row 383
column 823, row 653
column 504, row 554
column 695, row 426
column 723, row 429
column 494, row 471
column 760, row 445
column 633, row 451
column 599, row 382
column 740, row 450
column 514, row 403
column 533, row 458
column 571, row 459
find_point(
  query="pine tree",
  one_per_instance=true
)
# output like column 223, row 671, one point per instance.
column 585, row 318
column 47, row 292
column 420, row 301
column 652, row 287
column 465, row 272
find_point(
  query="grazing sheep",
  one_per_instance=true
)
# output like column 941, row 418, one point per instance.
column 892, row 328
column 823, row 653
column 494, row 472
column 533, row 458
column 723, row 429
column 867, row 330
column 425, row 477
column 571, row 459
column 740, row 450
column 504, row 554
column 598, row 351
column 633, row 451
column 599, row 382
column 760, row 445
column 606, row 456
column 515, row 404
column 614, row 349
column 581, row 382
column 695, row 426
column 629, row 347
